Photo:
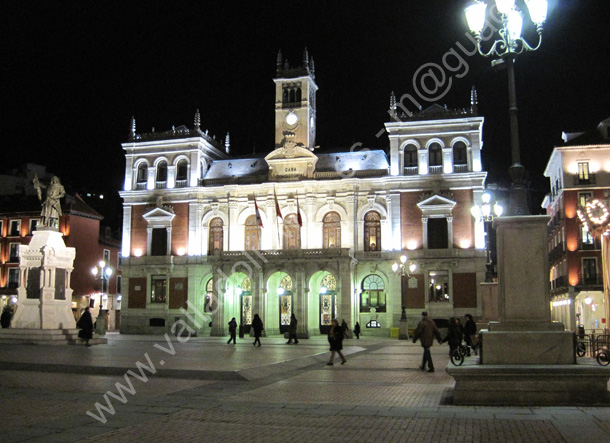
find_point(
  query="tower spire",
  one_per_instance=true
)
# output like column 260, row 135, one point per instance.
column 197, row 119
column 305, row 58
column 227, row 143
column 392, row 110
column 279, row 61
column 474, row 100
column 132, row 134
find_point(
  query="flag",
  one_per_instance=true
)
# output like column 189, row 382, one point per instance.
column 299, row 219
column 278, row 213
column 259, row 220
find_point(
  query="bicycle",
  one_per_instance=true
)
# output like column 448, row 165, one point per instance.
column 457, row 356
column 603, row 357
column 581, row 349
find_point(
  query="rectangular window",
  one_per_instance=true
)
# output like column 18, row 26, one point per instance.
column 584, row 197
column 1, row 228
column 438, row 233
column 13, row 278
column 583, row 171
column 587, row 239
column 158, row 289
column 438, row 290
column 119, row 261
column 107, row 257
column 34, row 222
column 119, row 283
column 13, row 253
column 589, row 271
column 15, row 228
column 159, row 242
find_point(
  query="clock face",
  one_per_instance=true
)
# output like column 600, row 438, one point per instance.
column 291, row 119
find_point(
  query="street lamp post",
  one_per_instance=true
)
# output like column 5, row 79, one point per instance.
column 101, row 272
column 403, row 270
column 486, row 212
column 506, row 48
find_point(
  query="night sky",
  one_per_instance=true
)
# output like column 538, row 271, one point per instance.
column 75, row 71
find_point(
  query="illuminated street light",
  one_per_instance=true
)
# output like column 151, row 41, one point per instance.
column 101, row 272
column 405, row 270
column 506, row 48
column 486, row 212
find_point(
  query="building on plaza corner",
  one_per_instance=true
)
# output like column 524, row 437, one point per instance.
column 579, row 172
column 208, row 236
column 80, row 226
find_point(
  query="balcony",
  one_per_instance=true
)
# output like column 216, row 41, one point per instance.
column 559, row 283
column 588, row 279
column 436, row 169
column 460, row 168
column 181, row 183
column 556, row 253
column 160, row 185
column 141, row 186
column 589, row 179
column 411, row 170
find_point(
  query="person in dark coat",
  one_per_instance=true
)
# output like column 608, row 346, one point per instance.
column 425, row 332
column 257, row 325
column 357, row 330
column 85, row 323
column 6, row 317
column 335, row 338
column 232, row 331
column 470, row 331
column 292, row 332
column 454, row 335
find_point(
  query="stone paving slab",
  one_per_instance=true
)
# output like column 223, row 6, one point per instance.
column 284, row 393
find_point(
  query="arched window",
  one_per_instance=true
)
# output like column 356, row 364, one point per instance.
column 292, row 96
column 372, row 231
column 298, row 97
column 182, row 170
column 292, row 232
column 161, row 174
column 373, row 294
column 209, row 296
column 142, row 176
column 252, row 234
column 216, row 235
column 410, row 155
column 331, row 230
column 435, row 155
column 459, row 154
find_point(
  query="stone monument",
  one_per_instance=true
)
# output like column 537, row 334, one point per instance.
column 526, row 359
column 44, row 297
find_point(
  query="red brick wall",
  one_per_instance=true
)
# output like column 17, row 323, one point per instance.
column 178, row 292
column 180, row 227
column 410, row 219
column 139, row 234
column 464, row 290
column 463, row 222
column 414, row 297
column 137, row 297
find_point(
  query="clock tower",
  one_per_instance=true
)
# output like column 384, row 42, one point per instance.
column 295, row 103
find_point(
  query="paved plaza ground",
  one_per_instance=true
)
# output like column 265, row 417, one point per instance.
column 143, row 388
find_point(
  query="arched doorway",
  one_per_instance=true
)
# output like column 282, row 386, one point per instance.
column 280, row 301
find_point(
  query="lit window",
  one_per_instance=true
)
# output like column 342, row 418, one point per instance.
column 158, row 290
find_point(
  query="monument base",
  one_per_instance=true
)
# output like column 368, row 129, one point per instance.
column 46, row 337
column 527, row 347
column 403, row 333
column 530, row 385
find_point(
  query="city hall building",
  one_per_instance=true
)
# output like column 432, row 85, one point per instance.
column 208, row 236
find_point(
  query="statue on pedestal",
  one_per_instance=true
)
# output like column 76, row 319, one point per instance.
column 51, row 207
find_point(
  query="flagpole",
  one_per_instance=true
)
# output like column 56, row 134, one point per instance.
column 278, row 213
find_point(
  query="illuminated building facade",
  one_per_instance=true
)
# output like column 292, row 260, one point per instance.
column 579, row 172
column 303, row 230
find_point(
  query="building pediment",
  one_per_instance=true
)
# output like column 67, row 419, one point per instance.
column 291, row 162
column 159, row 216
column 436, row 205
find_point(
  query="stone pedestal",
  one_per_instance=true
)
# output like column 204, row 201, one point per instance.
column 403, row 333
column 526, row 359
column 44, row 295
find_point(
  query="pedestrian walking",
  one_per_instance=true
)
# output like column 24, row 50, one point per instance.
column 292, row 332
column 347, row 332
column 470, row 334
column 232, row 331
column 257, row 325
column 85, row 323
column 454, row 335
column 357, row 330
column 425, row 332
column 335, row 338
column 6, row 317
